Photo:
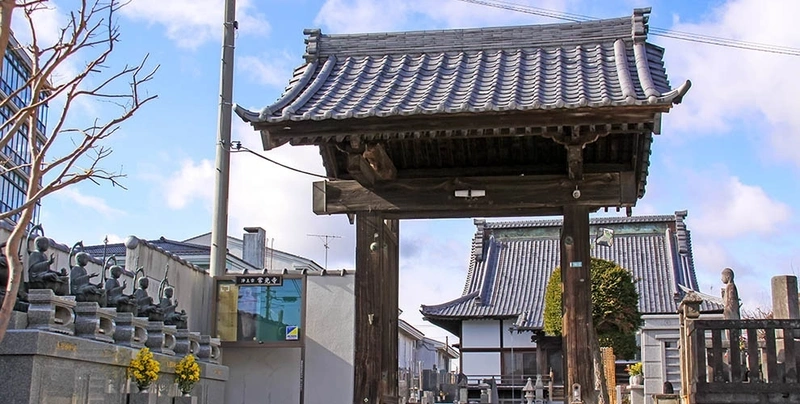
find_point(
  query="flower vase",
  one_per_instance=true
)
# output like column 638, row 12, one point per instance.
column 636, row 380
column 143, row 388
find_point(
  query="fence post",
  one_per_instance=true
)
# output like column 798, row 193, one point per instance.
column 688, row 311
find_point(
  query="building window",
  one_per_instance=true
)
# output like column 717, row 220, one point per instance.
column 260, row 313
column 519, row 366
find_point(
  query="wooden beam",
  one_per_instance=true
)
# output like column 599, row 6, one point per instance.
column 360, row 170
column 295, row 131
column 417, row 198
column 575, row 276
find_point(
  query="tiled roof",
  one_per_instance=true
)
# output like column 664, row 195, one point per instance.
column 575, row 65
column 172, row 246
column 518, row 258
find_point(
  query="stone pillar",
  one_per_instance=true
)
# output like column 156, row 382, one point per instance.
column 169, row 340
column 48, row 312
column 93, row 322
column 784, row 307
column 784, row 298
column 204, row 349
column 194, row 343
column 155, row 338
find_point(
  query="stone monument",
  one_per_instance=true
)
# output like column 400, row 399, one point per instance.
column 730, row 296
column 40, row 276
column 80, row 287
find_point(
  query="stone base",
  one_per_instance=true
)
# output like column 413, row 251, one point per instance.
column 155, row 338
column 130, row 331
column 194, row 343
column 48, row 312
column 216, row 352
column 93, row 322
column 142, row 398
column 204, row 350
column 182, row 346
column 169, row 338
column 184, row 400
column 18, row 321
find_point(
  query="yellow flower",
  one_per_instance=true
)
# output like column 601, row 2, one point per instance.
column 143, row 368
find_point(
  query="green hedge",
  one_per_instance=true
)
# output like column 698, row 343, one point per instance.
column 615, row 306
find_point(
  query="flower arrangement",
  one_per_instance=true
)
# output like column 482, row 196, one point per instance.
column 144, row 369
column 187, row 373
column 634, row 369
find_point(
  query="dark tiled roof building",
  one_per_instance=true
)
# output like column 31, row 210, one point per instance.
column 511, row 263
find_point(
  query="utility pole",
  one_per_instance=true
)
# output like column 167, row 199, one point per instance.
column 326, row 243
column 219, row 225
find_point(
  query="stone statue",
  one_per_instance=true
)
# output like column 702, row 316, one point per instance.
column 730, row 296
column 171, row 317
column 80, row 287
column 144, row 302
column 114, row 295
column 40, row 276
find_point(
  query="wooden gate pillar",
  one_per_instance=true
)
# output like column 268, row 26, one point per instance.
column 577, row 303
column 376, row 310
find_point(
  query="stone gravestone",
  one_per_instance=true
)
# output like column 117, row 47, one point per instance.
column 784, row 306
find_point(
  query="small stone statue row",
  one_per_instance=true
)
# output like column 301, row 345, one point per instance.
column 77, row 283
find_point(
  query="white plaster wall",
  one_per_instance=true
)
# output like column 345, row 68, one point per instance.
column 481, row 363
column 515, row 339
column 329, row 339
column 657, row 330
column 480, row 334
column 263, row 375
column 405, row 351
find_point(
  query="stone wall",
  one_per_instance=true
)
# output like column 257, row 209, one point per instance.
column 193, row 286
column 44, row 367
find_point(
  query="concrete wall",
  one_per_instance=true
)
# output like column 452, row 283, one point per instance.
column 44, row 367
column 193, row 286
column 263, row 375
column 277, row 374
column 480, row 363
column 329, row 339
column 405, row 351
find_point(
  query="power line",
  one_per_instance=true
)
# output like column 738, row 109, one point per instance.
column 662, row 32
column 238, row 148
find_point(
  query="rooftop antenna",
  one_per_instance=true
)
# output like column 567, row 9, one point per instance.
column 326, row 243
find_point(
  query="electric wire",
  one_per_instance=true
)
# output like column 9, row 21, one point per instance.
column 241, row 149
column 662, row 32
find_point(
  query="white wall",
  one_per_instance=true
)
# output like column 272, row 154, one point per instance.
column 480, row 363
column 515, row 339
column 263, row 375
column 405, row 351
column 480, row 334
column 329, row 339
column 657, row 331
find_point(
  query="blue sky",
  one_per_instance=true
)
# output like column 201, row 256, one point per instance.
column 729, row 154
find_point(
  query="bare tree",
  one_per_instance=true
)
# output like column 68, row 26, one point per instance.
column 88, row 37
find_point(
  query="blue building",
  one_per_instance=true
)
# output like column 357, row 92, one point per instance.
column 15, row 155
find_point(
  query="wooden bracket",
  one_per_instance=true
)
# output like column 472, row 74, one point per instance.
column 575, row 140
column 370, row 165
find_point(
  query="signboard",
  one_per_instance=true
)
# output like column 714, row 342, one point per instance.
column 259, row 280
column 292, row 332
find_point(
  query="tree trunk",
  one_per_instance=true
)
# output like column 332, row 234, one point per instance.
column 6, row 9
column 15, row 268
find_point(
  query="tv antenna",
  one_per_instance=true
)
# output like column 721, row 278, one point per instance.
column 325, row 243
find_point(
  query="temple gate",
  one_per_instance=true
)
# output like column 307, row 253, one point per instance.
column 535, row 120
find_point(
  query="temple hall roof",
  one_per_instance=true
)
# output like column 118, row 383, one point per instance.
column 511, row 263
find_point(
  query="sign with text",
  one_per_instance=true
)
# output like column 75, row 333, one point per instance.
column 259, row 280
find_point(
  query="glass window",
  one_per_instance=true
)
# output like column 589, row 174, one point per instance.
column 260, row 313
column 519, row 366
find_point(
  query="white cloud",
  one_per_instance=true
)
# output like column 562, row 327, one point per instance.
column 98, row 205
column 731, row 208
column 191, row 23
column 269, row 70
column 194, row 181
column 349, row 16
column 733, row 88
